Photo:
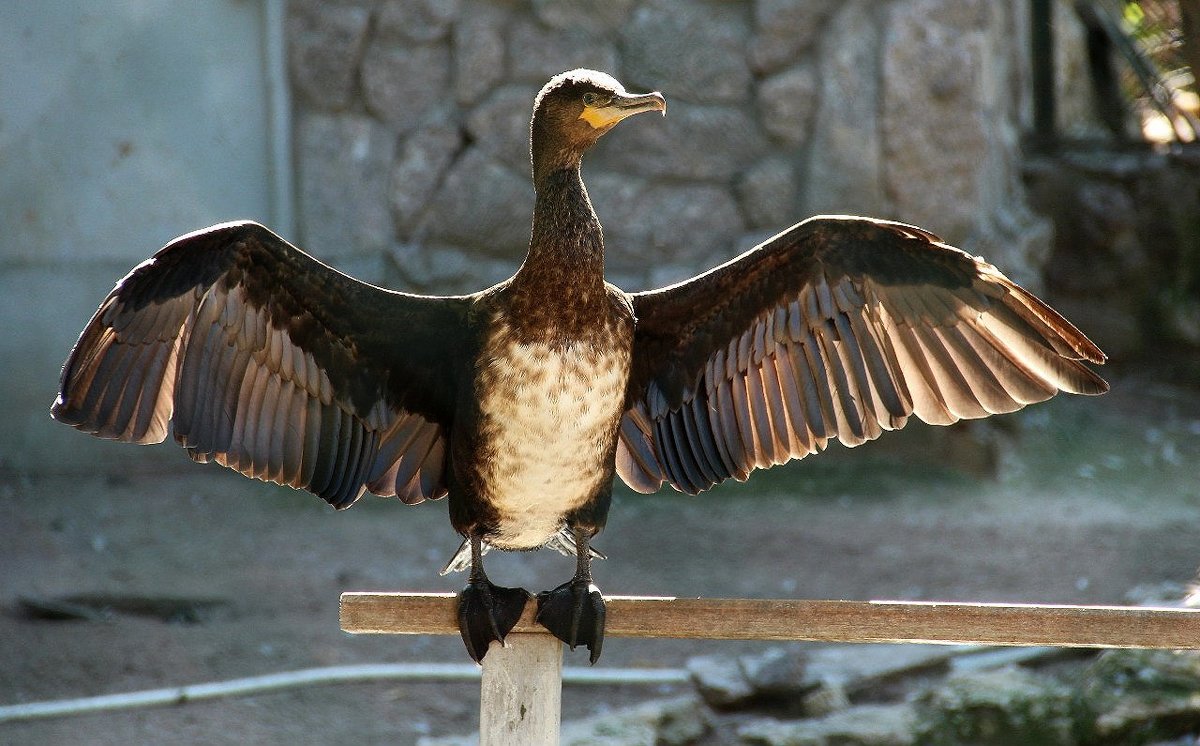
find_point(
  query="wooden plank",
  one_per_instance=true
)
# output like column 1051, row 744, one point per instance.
column 829, row 621
column 520, row 696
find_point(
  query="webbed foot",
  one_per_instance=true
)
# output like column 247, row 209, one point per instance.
column 488, row 612
column 574, row 613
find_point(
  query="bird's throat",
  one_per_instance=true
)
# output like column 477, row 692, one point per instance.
column 566, row 248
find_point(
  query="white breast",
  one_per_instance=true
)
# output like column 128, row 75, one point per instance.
column 549, row 416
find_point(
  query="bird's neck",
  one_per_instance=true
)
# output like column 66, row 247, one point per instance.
column 566, row 249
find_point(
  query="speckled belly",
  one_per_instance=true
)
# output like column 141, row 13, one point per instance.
column 549, row 416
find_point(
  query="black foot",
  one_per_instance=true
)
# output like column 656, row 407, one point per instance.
column 488, row 612
column 574, row 613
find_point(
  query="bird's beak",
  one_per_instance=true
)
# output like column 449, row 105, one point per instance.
column 623, row 105
column 629, row 104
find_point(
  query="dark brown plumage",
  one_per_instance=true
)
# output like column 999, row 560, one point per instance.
column 522, row 400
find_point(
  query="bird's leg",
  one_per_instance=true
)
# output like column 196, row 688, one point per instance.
column 574, row 611
column 486, row 611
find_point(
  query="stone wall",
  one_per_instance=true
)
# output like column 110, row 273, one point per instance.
column 412, row 116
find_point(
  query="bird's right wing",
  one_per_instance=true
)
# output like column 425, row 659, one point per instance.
column 271, row 363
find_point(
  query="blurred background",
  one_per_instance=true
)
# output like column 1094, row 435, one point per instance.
column 390, row 139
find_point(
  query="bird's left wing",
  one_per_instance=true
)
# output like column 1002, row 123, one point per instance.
column 269, row 362
column 839, row 327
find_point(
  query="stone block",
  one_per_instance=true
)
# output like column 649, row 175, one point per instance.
column 768, row 193
column 813, row 680
column 483, row 205
column 845, row 166
column 417, row 171
column 647, row 225
column 444, row 270
column 720, row 681
column 692, row 220
column 778, row 672
column 1140, row 696
column 1015, row 240
column 536, row 52
column 710, row 143
column 937, row 149
column 664, row 722
column 996, row 708
column 583, row 15
column 500, row 125
column 860, row 668
column 420, row 21
column 479, row 46
column 692, row 51
column 325, row 45
column 787, row 102
column 783, row 29
column 405, row 85
column 343, row 183
column 864, row 725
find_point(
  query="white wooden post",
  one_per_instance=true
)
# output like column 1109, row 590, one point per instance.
column 520, row 697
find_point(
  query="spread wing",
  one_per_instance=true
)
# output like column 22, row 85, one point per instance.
column 271, row 363
column 839, row 327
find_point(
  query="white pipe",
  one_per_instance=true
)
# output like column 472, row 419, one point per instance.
column 178, row 695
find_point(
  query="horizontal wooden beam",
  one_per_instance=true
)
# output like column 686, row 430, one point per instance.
column 826, row 621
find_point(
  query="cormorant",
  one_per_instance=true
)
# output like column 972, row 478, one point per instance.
column 521, row 401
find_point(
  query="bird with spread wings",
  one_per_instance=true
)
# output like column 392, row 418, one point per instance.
column 523, row 400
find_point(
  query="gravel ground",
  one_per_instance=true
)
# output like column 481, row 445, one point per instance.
column 1092, row 497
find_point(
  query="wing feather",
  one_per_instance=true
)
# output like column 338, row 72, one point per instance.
column 672, row 445
column 407, row 486
column 948, row 378
column 271, row 427
column 839, row 327
column 798, row 425
column 777, row 411
column 821, row 382
column 636, row 460
column 756, row 387
column 730, row 430
column 891, row 408
column 332, row 442
column 743, row 421
column 213, row 429
column 263, row 359
column 691, row 452
column 142, row 362
column 714, row 417
column 293, row 429
column 978, row 371
column 147, row 416
column 431, row 475
column 313, row 415
column 716, row 468
column 240, row 364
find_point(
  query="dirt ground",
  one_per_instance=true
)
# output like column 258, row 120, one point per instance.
column 1093, row 497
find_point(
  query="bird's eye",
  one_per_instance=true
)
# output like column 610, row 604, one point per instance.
column 590, row 99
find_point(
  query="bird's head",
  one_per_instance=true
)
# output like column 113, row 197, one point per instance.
column 574, row 109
